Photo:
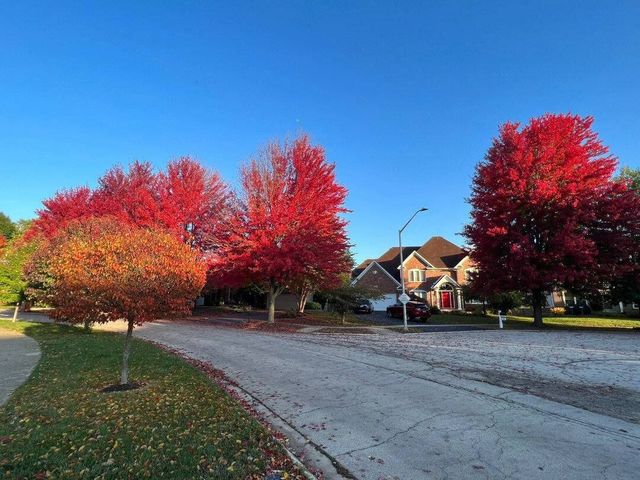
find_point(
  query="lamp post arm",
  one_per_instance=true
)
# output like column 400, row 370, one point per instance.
column 409, row 221
column 404, row 305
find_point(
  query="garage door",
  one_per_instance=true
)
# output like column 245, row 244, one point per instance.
column 382, row 303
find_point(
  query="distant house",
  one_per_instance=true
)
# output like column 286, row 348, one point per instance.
column 434, row 272
column 564, row 298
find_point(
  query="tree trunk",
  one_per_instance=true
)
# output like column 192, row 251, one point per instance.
column 87, row 326
column 302, row 301
column 274, row 291
column 536, row 303
column 124, row 374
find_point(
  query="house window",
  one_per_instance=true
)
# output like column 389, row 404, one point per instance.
column 420, row 293
column 416, row 275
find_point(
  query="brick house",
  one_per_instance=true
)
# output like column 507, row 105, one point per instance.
column 434, row 272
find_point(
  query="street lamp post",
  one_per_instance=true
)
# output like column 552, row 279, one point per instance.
column 403, row 296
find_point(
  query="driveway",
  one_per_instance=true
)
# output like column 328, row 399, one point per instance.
column 474, row 404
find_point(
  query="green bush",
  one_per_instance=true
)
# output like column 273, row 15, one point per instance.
column 312, row 306
column 504, row 302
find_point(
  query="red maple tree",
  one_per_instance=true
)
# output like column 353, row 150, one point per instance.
column 187, row 200
column 546, row 212
column 193, row 201
column 287, row 228
column 61, row 209
column 131, row 196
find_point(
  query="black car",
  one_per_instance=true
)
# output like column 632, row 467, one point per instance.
column 363, row 306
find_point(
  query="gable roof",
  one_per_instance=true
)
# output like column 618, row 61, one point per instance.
column 415, row 254
column 441, row 253
column 438, row 252
column 368, row 267
column 360, row 268
column 390, row 260
column 433, row 282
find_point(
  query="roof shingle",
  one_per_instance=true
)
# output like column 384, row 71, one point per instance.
column 438, row 251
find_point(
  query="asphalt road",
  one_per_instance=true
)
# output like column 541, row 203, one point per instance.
column 473, row 404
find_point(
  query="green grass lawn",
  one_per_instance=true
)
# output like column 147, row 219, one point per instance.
column 455, row 319
column 590, row 322
column 331, row 318
column 179, row 425
column 568, row 322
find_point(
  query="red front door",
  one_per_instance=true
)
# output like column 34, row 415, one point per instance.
column 446, row 301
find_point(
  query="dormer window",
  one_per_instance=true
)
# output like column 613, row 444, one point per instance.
column 416, row 275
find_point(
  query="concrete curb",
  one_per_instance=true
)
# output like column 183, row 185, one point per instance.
column 312, row 454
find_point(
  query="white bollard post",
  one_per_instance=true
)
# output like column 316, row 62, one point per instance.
column 500, row 325
column 15, row 312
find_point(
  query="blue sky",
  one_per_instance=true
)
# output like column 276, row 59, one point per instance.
column 405, row 96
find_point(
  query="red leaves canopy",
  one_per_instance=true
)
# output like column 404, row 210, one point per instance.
column 287, row 226
column 186, row 200
column 103, row 270
column 545, row 210
column 61, row 209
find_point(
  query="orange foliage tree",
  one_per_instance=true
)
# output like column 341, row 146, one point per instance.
column 102, row 270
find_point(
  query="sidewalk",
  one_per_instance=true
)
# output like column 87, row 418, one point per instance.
column 19, row 354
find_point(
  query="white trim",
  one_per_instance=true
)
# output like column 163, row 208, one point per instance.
column 448, row 279
column 355, row 280
column 421, row 275
column 463, row 259
column 420, row 257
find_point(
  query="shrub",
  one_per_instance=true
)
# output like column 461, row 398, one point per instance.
column 504, row 302
column 435, row 310
column 557, row 310
column 313, row 306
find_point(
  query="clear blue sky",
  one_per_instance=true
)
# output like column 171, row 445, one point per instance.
column 405, row 96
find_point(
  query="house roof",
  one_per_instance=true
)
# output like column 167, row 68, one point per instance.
column 432, row 282
column 360, row 268
column 437, row 251
column 390, row 260
column 429, row 283
column 441, row 253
